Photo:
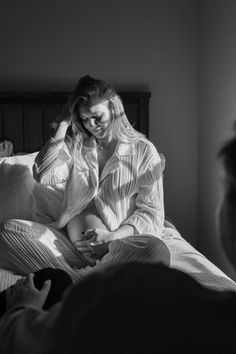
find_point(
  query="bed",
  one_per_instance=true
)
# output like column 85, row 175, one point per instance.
column 25, row 125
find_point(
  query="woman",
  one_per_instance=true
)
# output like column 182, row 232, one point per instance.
column 114, row 186
column 111, row 179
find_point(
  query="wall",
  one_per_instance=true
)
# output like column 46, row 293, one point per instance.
column 217, row 114
column 150, row 45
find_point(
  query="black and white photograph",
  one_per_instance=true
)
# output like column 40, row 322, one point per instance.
column 117, row 176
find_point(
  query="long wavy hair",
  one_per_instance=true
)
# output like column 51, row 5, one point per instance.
column 86, row 90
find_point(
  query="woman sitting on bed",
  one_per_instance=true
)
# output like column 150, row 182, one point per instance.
column 113, row 173
column 111, row 179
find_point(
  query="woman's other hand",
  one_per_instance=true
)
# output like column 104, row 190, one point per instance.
column 95, row 243
column 24, row 293
column 98, row 235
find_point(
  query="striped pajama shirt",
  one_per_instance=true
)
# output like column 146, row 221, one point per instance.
column 128, row 191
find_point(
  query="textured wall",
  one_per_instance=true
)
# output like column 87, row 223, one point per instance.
column 151, row 45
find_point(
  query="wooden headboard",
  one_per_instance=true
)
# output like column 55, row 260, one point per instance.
column 25, row 117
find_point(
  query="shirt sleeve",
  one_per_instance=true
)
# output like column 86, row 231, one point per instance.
column 52, row 165
column 27, row 329
column 149, row 214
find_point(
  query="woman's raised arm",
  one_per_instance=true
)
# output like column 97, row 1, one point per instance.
column 53, row 163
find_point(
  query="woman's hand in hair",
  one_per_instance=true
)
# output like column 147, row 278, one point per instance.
column 67, row 115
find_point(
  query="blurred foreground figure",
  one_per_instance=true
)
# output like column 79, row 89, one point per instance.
column 132, row 308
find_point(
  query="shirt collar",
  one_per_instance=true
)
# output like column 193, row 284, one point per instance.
column 122, row 149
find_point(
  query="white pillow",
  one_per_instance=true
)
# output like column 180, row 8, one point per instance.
column 6, row 148
column 21, row 197
column 16, row 187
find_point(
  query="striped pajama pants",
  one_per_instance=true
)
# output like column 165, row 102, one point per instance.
column 26, row 247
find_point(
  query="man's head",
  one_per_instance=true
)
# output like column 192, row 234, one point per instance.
column 227, row 206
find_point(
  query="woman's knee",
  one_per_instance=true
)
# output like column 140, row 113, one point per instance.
column 147, row 248
column 155, row 248
column 13, row 226
column 159, row 250
column 6, row 227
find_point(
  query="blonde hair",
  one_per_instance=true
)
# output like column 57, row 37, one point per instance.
column 89, row 89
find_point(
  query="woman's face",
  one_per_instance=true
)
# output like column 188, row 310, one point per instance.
column 96, row 117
